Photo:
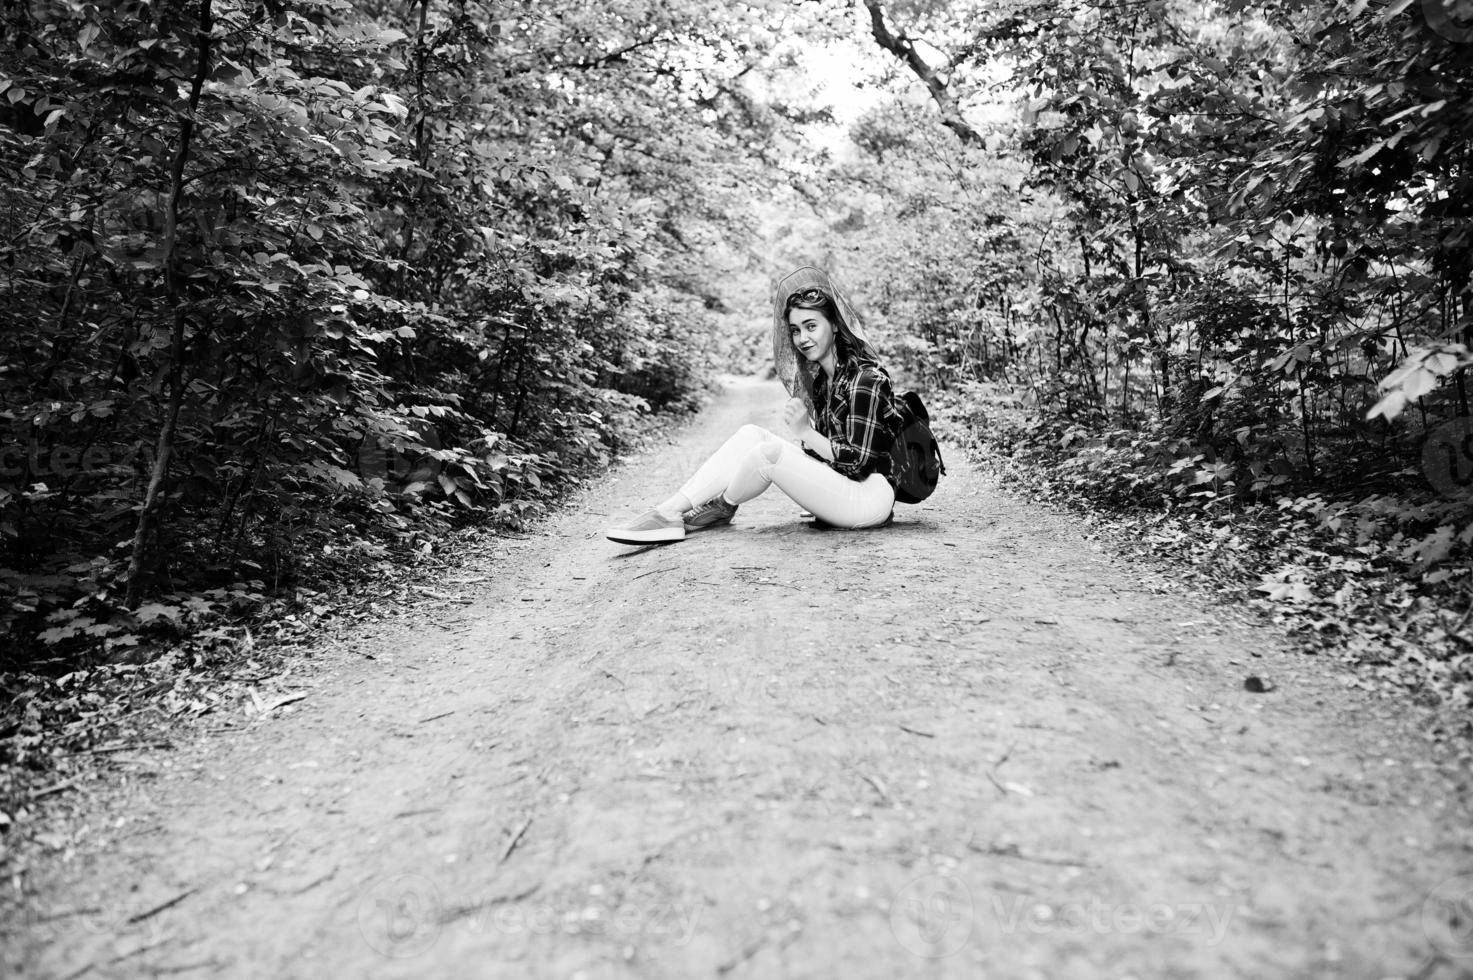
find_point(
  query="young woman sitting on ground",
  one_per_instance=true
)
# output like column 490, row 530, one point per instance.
column 842, row 414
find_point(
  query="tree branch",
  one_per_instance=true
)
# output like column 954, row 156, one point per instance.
column 615, row 57
column 901, row 47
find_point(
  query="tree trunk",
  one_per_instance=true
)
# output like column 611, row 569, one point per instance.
column 153, row 496
column 421, row 156
column 1162, row 366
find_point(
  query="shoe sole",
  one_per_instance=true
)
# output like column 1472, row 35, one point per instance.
column 665, row 535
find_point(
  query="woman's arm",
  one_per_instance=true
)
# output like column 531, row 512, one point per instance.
column 815, row 441
column 801, row 425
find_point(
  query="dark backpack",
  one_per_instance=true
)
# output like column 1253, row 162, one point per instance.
column 915, row 457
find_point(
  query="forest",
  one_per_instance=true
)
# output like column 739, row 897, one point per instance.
column 295, row 288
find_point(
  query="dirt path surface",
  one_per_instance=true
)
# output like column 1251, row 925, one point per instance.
column 972, row 744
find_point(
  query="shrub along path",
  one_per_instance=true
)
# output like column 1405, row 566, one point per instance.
column 972, row 742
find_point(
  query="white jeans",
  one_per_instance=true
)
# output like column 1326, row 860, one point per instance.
column 754, row 459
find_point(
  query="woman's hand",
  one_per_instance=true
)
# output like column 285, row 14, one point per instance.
column 795, row 413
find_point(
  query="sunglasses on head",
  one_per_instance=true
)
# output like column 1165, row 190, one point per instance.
column 811, row 295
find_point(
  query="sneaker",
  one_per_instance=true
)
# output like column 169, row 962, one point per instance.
column 713, row 513
column 651, row 527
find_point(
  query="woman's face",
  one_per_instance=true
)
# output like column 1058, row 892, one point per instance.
column 812, row 333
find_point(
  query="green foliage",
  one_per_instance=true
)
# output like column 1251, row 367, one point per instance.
column 291, row 283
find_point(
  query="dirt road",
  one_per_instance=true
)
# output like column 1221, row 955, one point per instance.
column 972, row 744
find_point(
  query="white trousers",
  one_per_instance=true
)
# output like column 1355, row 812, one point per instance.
column 754, row 459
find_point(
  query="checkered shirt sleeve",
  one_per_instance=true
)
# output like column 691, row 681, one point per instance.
column 857, row 418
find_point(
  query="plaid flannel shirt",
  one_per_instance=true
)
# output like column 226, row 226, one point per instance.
column 857, row 414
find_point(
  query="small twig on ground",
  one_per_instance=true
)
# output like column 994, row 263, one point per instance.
column 303, row 889
column 516, row 839
column 479, row 908
column 150, row 913
column 917, row 731
column 748, row 951
column 187, row 967
column 613, row 677
column 879, row 787
column 667, row 568
column 443, row 714
column 57, row 788
column 279, row 702
column 992, row 773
